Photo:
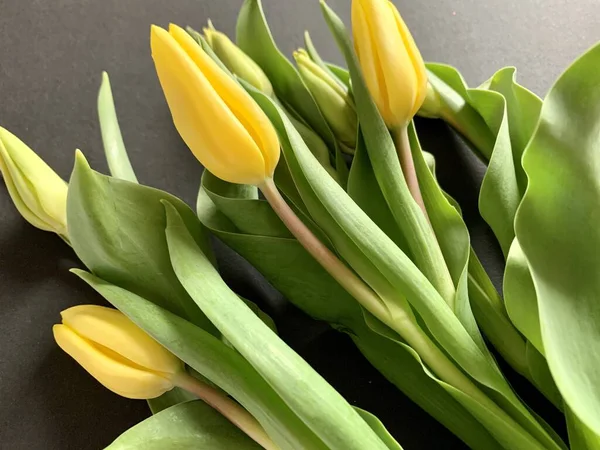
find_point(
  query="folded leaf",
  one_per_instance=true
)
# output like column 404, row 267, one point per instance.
column 115, row 229
column 557, row 229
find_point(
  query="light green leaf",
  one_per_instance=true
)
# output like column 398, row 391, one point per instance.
column 314, row 55
column 379, row 428
column 340, row 72
column 115, row 229
column 187, row 426
column 557, row 229
column 308, row 395
column 580, row 436
column 213, row 359
column 114, row 147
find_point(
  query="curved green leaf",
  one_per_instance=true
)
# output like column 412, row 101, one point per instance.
column 308, row 395
column 187, row 426
column 117, row 230
column 557, row 229
column 114, row 147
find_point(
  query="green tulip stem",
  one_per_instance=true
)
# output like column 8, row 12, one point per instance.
column 230, row 409
column 402, row 322
column 402, row 144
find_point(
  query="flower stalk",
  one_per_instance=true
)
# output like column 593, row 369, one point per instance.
column 230, row 409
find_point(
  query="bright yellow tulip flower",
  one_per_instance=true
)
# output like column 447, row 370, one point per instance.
column 218, row 120
column 116, row 352
column 39, row 194
column 390, row 61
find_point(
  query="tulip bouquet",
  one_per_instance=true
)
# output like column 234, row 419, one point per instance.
column 314, row 173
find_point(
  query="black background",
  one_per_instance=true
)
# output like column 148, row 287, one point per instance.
column 52, row 53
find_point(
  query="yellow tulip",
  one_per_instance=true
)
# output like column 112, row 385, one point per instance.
column 390, row 61
column 39, row 194
column 218, row 120
column 237, row 61
column 333, row 99
column 116, row 352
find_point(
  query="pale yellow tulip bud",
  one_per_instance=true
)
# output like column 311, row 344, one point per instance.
column 39, row 194
column 333, row 99
column 390, row 61
column 116, row 352
column 218, row 120
column 237, row 61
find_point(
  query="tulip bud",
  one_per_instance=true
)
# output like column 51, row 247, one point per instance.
column 39, row 194
column 116, row 352
column 218, row 120
column 390, row 61
column 237, row 61
column 333, row 99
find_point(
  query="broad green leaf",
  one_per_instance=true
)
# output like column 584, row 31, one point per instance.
column 523, row 110
column 114, row 147
column 209, row 356
column 415, row 227
column 115, row 229
column 308, row 395
column 557, row 229
column 281, row 258
column 580, row 436
column 383, row 265
column 187, row 426
column 168, row 399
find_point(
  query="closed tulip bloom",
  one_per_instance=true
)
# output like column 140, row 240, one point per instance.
column 116, row 352
column 222, row 125
column 390, row 61
column 237, row 61
column 333, row 99
column 39, row 194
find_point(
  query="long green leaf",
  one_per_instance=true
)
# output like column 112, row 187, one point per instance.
column 307, row 394
column 115, row 229
column 557, row 229
column 213, row 359
column 114, row 147
column 187, row 426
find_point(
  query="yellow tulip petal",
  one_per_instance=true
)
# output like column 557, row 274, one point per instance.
column 203, row 120
column 239, row 102
column 112, row 329
column 127, row 381
column 366, row 50
column 415, row 56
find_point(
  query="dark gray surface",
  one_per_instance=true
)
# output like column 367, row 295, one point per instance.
column 51, row 57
